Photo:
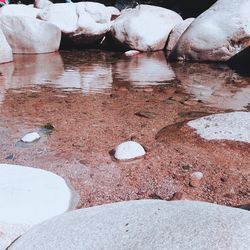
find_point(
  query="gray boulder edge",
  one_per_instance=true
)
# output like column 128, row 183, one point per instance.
column 145, row 224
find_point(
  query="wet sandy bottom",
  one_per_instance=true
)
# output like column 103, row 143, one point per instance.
column 88, row 126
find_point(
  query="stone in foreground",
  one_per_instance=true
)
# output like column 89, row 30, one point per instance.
column 145, row 28
column 216, row 35
column 31, row 137
column 30, row 36
column 143, row 225
column 29, row 196
column 129, row 150
column 233, row 126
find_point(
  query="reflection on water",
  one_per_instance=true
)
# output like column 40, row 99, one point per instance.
column 214, row 84
column 95, row 71
column 144, row 70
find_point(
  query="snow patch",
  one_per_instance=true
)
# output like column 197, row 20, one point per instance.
column 233, row 126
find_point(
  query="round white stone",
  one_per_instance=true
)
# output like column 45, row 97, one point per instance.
column 129, row 150
column 233, row 126
column 29, row 196
column 197, row 175
column 143, row 225
column 31, row 137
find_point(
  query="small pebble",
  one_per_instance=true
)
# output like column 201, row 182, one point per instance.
column 195, row 180
column 129, row 150
column 31, row 137
column 178, row 196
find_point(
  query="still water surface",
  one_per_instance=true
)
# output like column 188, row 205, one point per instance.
column 94, row 71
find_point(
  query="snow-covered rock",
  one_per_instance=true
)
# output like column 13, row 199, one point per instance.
column 41, row 4
column 30, row 36
column 145, row 28
column 234, row 126
column 18, row 10
column 177, row 31
column 218, row 34
column 31, row 137
column 129, row 150
column 143, row 225
column 5, row 49
column 29, row 196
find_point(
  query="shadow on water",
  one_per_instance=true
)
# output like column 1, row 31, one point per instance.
column 95, row 71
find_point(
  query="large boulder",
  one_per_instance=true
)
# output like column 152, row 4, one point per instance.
column 216, row 35
column 145, row 28
column 41, row 4
column 30, row 36
column 143, row 225
column 5, row 50
column 18, row 10
column 81, row 23
column 62, row 15
column 29, row 196
column 176, row 33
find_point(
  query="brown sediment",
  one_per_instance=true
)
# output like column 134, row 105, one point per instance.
column 86, row 128
column 107, row 105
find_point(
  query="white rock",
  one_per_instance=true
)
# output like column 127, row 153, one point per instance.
column 114, row 11
column 129, row 150
column 143, row 225
column 197, row 175
column 30, row 36
column 145, row 28
column 18, row 10
column 41, row 4
column 82, row 23
column 29, row 196
column 233, row 126
column 62, row 15
column 132, row 53
column 99, row 12
column 5, row 49
column 218, row 34
column 177, row 31
column 31, row 137
column 9, row 233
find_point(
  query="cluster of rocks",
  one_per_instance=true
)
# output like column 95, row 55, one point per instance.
column 218, row 34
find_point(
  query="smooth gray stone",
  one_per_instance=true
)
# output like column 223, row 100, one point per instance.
column 144, row 225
